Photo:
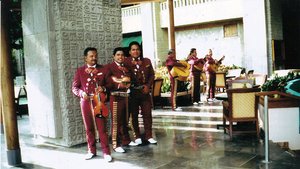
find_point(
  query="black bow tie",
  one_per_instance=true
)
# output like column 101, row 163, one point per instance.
column 136, row 59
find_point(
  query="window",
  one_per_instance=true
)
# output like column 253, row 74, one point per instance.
column 230, row 30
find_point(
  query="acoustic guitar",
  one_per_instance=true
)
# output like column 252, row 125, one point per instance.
column 212, row 66
column 181, row 72
column 125, row 80
column 199, row 64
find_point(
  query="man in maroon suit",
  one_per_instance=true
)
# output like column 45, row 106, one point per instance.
column 196, row 70
column 89, row 81
column 210, row 68
column 142, row 77
column 171, row 61
column 210, row 76
column 118, row 83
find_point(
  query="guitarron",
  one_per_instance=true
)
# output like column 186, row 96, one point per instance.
column 181, row 72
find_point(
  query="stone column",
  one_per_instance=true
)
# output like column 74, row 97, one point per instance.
column 55, row 34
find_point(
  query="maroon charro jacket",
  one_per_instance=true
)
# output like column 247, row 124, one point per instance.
column 86, row 82
column 144, row 75
column 114, row 70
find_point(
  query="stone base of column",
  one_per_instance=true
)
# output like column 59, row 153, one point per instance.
column 14, row 157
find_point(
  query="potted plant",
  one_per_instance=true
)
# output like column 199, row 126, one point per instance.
column 162, row 73
column 278, row 83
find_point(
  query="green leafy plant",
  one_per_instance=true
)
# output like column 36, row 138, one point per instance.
column 162, row 73
column 277, row 83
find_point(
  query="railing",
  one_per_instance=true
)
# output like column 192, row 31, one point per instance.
column 131, row 19
column 195, row 12
column 201, row 11
column 184, row 3
column 131, row 11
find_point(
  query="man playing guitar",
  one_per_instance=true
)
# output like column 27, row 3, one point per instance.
column 210, row 67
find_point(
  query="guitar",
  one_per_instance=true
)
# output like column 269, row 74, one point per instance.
column 199, row 64
column 181, row 72
column 125, row 80
column 212, row 66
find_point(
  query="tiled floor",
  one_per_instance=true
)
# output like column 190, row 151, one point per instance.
column 186, row 139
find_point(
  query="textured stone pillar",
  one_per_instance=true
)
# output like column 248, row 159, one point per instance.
column 55, row 34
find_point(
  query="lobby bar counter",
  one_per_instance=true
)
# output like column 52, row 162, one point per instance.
column 284, row 117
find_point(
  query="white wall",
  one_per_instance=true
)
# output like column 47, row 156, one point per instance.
column 211, row 38
column 255, row 43
column 147, row 31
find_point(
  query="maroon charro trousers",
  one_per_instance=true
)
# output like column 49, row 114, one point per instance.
column 88, row 120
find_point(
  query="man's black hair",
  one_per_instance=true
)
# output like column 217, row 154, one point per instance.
column 134, row 43
column 86, row 50
column 118, row 49
column 170, row 51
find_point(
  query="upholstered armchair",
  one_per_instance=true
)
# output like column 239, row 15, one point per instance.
column 240, row 83
column 241, row 107
column 156, row 93
column 220, row 81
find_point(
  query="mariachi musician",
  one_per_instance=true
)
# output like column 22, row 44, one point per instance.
column 88, row 83
column 176, row 69
column 142, row 77
column 118, row 83
column 210, row 67
column 196, row 70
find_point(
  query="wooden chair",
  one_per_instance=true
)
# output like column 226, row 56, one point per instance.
column 250, row 72
column 21, row 100
column 240, row 83
column 260, row 79
column 220, row 81
column 241, row 107
column 156, row 93
column 178, row 93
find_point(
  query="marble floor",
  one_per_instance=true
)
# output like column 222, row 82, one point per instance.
column 190, row 137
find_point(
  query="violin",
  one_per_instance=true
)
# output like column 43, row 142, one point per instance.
column 100, row 109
